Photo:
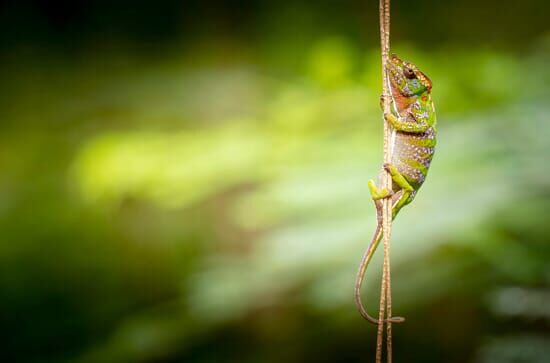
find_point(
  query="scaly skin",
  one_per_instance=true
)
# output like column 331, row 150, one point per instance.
column 413, row 138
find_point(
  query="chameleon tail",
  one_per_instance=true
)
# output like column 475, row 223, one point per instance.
column 361, row 274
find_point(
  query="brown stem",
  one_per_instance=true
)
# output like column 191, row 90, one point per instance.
column 385, row 293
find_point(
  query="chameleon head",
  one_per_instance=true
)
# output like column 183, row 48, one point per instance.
column 406, row 78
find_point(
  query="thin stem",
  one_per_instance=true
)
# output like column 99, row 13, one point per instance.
column 385, row 293
column 388, row 304
column 380, row 333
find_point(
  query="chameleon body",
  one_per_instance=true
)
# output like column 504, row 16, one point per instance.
column 413, row 140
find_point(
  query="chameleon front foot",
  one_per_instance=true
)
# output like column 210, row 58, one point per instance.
column 382, row 101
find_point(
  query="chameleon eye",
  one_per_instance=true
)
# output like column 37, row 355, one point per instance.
column 409, row 73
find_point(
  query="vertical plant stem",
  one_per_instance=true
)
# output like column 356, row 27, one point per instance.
column 385, row 293
column 380, row 333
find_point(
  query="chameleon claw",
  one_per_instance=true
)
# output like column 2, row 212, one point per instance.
column 382, row 98
column 377, row 193
column 382, row 101
column 390, row 168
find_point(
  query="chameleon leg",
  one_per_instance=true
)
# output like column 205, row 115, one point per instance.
column 401, row 200
column 400, row 203
column 407, row 126
column 398, row 178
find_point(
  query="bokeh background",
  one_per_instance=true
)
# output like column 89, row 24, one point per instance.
column 186, row 181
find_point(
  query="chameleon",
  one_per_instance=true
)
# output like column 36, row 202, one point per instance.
column 413, row 139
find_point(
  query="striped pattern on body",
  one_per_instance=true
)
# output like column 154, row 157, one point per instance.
column 412, row 155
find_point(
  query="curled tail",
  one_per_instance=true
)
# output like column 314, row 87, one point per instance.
column 367, row 256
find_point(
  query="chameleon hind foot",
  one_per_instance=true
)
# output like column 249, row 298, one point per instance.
column 378, row 193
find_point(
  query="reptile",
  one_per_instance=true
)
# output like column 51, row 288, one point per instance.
column 413, row 139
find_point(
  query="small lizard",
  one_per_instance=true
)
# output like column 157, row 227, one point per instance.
column 413, row 139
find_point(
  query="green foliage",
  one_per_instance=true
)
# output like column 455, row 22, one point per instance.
column 160, row 211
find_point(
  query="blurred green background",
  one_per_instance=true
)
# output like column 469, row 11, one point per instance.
column 185, row 181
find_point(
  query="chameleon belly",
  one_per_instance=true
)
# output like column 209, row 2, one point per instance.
column 413, row 153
